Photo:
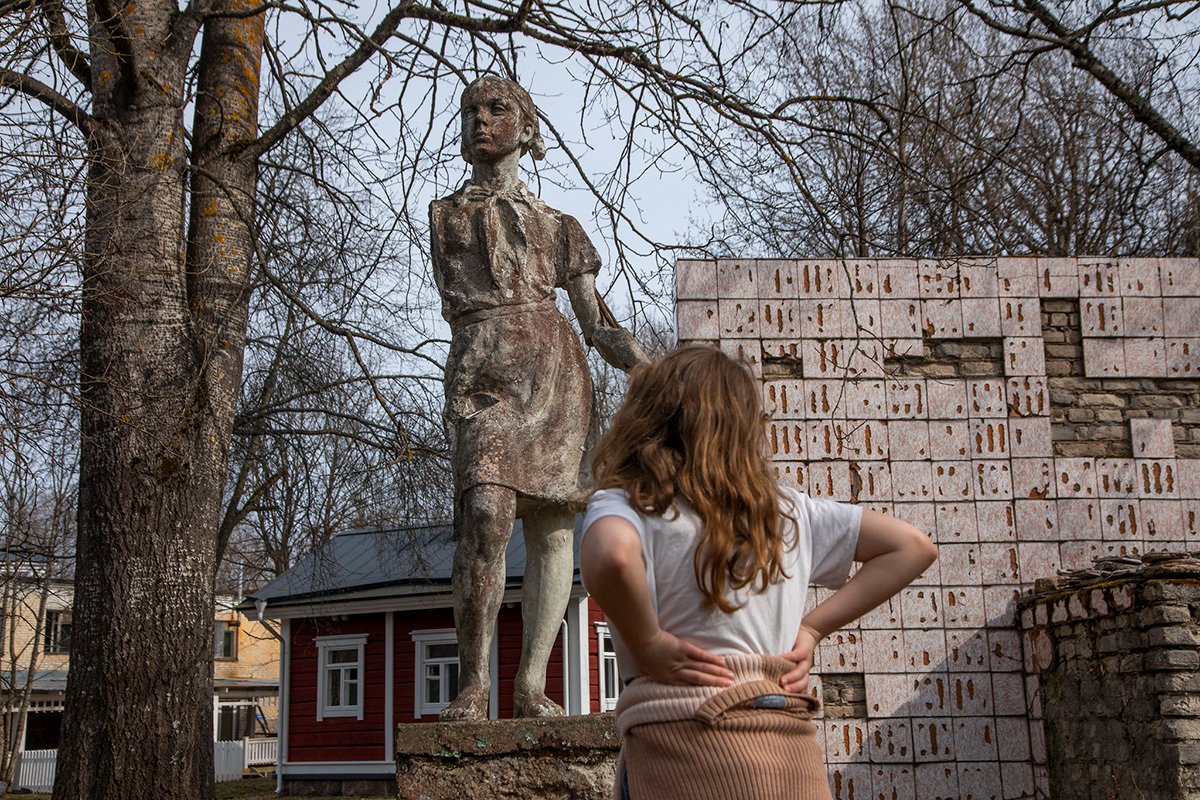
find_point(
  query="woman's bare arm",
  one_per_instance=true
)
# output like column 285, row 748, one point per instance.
column 893, row 554
column 614, row 573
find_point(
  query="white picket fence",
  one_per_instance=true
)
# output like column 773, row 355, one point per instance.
column 230, row 759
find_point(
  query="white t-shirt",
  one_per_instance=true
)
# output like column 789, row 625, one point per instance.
column 819, row 549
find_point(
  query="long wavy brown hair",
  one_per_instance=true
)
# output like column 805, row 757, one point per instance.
column 691, row 428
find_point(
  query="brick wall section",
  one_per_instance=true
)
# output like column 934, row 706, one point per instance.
column 1029, row 414
column 1119, row 670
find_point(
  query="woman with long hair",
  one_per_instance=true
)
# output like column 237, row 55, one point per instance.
column 702, row 562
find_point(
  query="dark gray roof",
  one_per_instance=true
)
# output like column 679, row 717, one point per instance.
column 390, row 562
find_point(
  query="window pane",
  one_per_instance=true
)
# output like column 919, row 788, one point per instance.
column 433, row 688
column 352, row 691
column 451, row 682
column 442, row 650
column 347, row 656
column 334, row 679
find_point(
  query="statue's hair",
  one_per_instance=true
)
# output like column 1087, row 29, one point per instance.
column 691, row 428
column 536, row 145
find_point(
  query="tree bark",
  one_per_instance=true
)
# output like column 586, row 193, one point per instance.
column 161, row 342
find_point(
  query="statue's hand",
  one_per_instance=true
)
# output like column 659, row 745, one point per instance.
column 618, row 347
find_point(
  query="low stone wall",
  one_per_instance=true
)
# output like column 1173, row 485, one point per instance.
column 1117, row 653
column 548, row 759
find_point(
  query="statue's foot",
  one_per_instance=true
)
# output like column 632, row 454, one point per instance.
column 471, row 704
column 535, row 704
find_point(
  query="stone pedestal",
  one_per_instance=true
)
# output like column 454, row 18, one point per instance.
column 563, row 757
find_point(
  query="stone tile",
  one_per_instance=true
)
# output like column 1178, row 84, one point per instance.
column 949, row 439
column 943, row 318
column 697, row 320
column 1012, row 736
column 1187, row 473
column 1000, row 605
column 825, row 359
column 924, row 650
column 992, row 480
column 938, row 279
column 970, row 694
column 890, row 741
column 1146, row 357
column 921, row 606
column 867, row 440
column 824, row 399
column 883, row 650
column 1030, row 436
column 979, row 279
column 989, row 438
column 998, row 563
column 986, row 397
column 1020, row 316
column 783, row 354
column 1143, row 316
column 871, row 482
column 887, row 615
column 1183, row 357
column 1075, row 477
column 1116, row 477
column 1079, row 519
column 1162, row 521
column 864, row 358
column 1058, row 277
column 962, row 607
column 1079, row 554
column 956, row 523
column 892, row 781
column 1008, row 694
column 920, row 515
column 1156, row 478
column 1104, row 358
column 792, row 473
column 784, row 399
column 1180, row 276
column 1016, row 778
column 1121, row 520
column 1101, row 316
column 1028, row 397
column 979, row 780
column 1037, row 520
column 1004, row 650
column 1191, row 522
column 821, row 318
column 996, row 521
column 845, row 740
column 779, row 317
column 864, row 277
column 840, row 652
column 1038, row 560
column 947, row 398
column 1024, row 355
column 737, row 278
column 866, row 399
column 933, row 741
column 776, row 278
column 850, row 781
column 898, row 279
column 1033, row 478
column 863, row 319
column 975, row 741
column 981, row 318
column 1152, row 438
column 908, row 439
column 829, row 479
column 1181, row 317
column 819, row 279
column 1018, row 277
column 748, row 351
column 906, row 398
column 960, row 563
column 695, row 280
column 1140, row 277
column 966, row 651
column 824, row 439
column 1098, row 277
column 952, row 481
column 739, row 318
column 901, row 318
column 931, row 697
column 787, row 440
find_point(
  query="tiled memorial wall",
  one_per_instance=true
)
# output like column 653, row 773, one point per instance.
column 1029, row 413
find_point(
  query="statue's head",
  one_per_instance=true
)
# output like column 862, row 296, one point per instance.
column 498, row 116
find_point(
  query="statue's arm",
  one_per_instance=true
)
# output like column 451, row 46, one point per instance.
column 616, row 345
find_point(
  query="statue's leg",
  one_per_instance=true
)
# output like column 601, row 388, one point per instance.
column 545, row 592
column 483, row 525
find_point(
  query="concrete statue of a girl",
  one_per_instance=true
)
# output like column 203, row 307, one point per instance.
column 518, row 391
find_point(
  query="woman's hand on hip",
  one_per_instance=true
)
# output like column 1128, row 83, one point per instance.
column 801, row 655
column 666, row 658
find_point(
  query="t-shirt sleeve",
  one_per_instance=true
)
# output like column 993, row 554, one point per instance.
column 833, row 532
column 612, row 503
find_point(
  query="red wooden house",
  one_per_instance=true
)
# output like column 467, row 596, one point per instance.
column 369, row 643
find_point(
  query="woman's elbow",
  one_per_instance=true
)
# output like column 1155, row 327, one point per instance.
column 924, row 549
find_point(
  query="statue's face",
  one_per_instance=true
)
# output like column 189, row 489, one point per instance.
column 492, row 124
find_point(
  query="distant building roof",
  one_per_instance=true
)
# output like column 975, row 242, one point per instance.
column 372, row 564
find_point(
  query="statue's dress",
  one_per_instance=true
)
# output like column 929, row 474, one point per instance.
column 518, row 390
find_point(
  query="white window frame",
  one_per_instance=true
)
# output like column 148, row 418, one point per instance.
column 608, row 694
column 57, row 620
column 220, row 628
column 421, row 640
column 325, row 644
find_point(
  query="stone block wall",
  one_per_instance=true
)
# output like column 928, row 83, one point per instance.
column 1118, row 664
column 1030, row 414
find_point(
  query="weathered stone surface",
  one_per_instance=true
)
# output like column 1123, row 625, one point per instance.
column 553, row 758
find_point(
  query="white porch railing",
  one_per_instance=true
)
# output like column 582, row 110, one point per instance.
column 230, row 759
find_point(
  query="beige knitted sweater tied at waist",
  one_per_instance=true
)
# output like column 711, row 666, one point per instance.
column 751, row 741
